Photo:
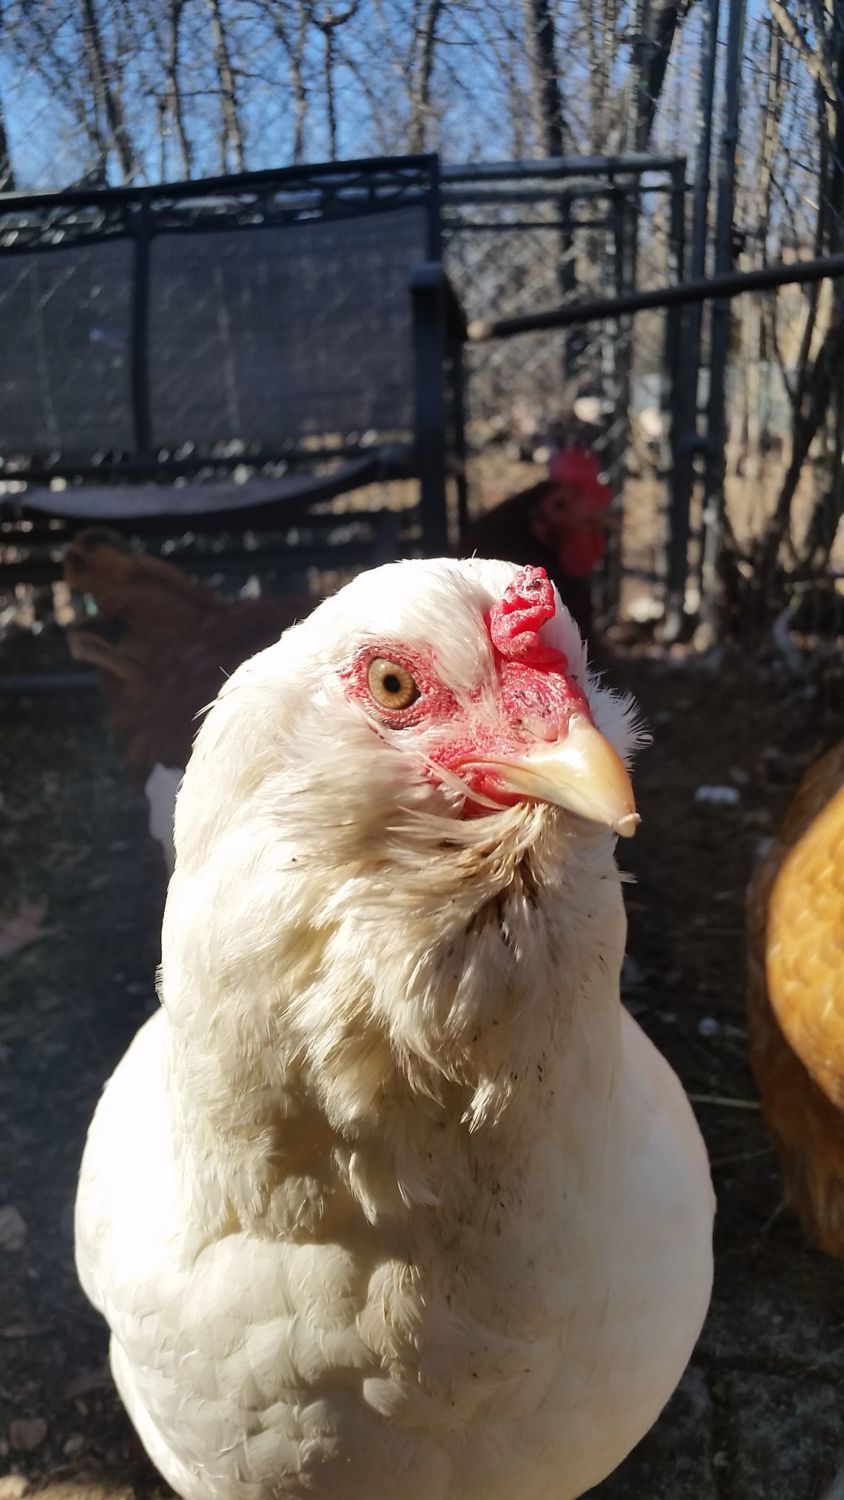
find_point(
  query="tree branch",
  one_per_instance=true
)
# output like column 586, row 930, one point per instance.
column 811, row 58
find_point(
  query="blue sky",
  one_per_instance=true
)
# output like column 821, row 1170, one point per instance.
column 472, row 119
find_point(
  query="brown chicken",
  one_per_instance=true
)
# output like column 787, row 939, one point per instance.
column 162, row 643
column 795, row 995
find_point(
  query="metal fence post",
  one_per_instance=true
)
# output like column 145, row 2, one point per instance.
column 429, row 356
column 623, row 259
column 712, row 522
column 677, row 507
column 685, row 440
column 141, row 221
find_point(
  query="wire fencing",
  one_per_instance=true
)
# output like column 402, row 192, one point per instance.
column 526, row 236
column 721, row 428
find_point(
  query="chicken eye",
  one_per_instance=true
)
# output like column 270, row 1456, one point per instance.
column 390, row 684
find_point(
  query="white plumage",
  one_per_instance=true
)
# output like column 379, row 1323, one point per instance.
column 391, row 1200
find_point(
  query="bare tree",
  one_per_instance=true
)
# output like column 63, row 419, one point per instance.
column 600, row 34
column 327, row 22
column 501, row 36
column 420, row 83
column 175, row 11
column 758, row 214
column 546, row 99
column 34, row 48
column 7, row 176
column 232, row 146
column 106, row 94
column 804, row 66
column 293, row 39
column 135, row 75
column 659, row 25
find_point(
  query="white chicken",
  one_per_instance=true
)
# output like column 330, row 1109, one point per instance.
column 391, row 1200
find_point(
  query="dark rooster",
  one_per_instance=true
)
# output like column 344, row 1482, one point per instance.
column 559, row 524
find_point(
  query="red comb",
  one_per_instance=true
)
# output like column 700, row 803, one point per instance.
column 515, row 622
column 579, row 469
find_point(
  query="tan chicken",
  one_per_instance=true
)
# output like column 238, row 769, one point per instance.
column 795, row 997
column 163, row 644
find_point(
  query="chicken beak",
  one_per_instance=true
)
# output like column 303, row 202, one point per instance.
column 580, row 772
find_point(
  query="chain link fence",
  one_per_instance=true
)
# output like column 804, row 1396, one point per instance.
column 752, row 97
column 521, row 237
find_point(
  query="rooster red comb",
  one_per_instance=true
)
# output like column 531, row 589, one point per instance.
column 514, row 623
column 578, row 466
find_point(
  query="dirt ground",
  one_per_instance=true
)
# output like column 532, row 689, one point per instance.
column 761, row 1411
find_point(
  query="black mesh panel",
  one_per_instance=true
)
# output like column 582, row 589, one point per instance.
column 284, row 332
column 65, row 318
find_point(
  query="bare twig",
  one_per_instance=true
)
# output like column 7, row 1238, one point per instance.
column 812, row 60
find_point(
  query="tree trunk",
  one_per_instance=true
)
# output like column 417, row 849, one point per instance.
column 420, row 96
column 545, row 99
column 760, row 218
column 328, row 24
column 550, row 136
column 328, row 75
column 107, row 99
column 297, row 79
column 7, row 176
column 231, row 134
column 174, row 93
column 661, row 23
column 294, row 51
column 817, row 390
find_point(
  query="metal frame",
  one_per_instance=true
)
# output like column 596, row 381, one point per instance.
column 710, row 288
column 243, row 200
column 439, row 327
column 250, row 202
